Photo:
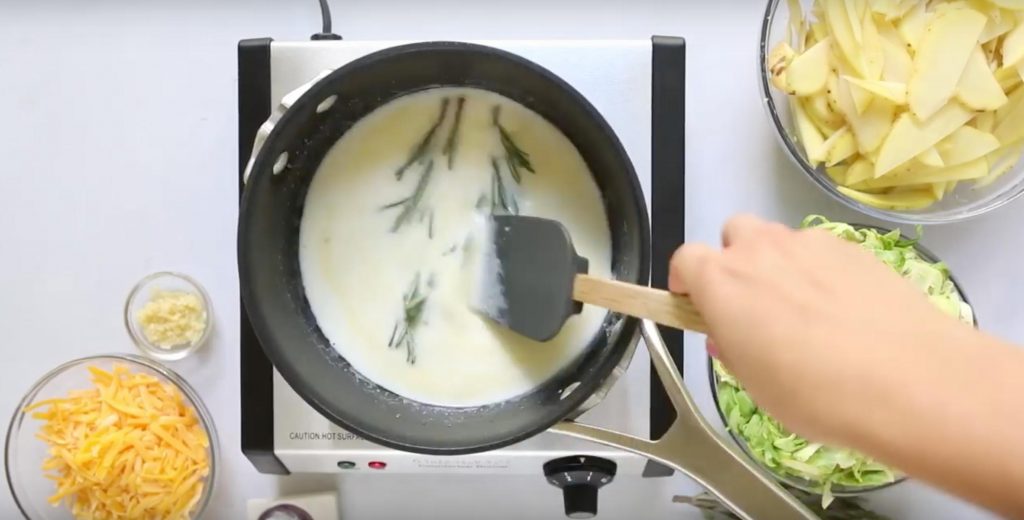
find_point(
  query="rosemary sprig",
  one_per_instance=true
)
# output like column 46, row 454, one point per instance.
column 403, row 333
column 421, row 149
column 501, row 199
column 451, row 144
column 411, row 203
column 515, row 157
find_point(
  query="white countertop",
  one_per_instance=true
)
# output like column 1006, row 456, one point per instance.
column 120, row 127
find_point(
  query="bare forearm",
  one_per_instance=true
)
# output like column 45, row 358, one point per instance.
column 948, row 409
column 836, row 346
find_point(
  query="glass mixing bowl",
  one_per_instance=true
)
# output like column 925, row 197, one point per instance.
column 804, row 484
column 140, row 295
column 964, row 202
column 24, row 453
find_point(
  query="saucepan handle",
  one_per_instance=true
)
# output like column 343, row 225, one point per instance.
column 693, row 448
column 279, row 110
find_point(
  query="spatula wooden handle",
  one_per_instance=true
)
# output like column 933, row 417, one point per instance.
column 642, row 302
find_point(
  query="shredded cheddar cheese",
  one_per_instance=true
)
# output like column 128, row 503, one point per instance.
column 172, row 318
column 130, row 448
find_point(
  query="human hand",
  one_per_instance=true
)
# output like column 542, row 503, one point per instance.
column 804, row 319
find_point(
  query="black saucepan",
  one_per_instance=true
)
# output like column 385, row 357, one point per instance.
column 271, row 281
column 268, row 231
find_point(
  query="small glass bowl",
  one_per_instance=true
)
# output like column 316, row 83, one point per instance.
column 139, row 296
column 805, row 484
column 965, row 202
column 24, row 453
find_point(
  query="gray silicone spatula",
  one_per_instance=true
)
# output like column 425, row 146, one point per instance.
column 541, row 282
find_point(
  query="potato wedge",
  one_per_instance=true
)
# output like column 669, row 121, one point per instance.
column 843, row 148
column 1009, row 4
column 905, row 7
column 872, row 54
column 1008, row 78
column 778, row 62
column 966, row 144
column 825, row 118
column 820, row 154
column 978, row 88
column 841, row 29
column 807, row 73
column 943, row 5
column 895, row 92
column 1000, row 162
column 909, row 137
column 942, row 55
column 896, row 201
column 837, row 173
column 992, row 53
column 897, row 63
column 1010, row 128
column 998, row 25
column 1013, row 46
column 911, row 27
column 984, row 121
column 854, row 13
column 931, row 157
column 1015, row 99
column 861, row 98
column 796, row 22
column 819, row 31
column 807, row 133
column 911, row 167
column 889, row 33
column 871, row 127
column 861, row 170
column 832, row 93
column 975, row 169
column 889, row 9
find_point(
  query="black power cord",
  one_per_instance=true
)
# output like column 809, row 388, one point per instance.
column 325, row 15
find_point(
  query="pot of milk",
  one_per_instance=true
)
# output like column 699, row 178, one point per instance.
column 360, row 216
column 359, row 228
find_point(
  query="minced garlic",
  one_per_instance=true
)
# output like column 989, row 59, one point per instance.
column 172, row 318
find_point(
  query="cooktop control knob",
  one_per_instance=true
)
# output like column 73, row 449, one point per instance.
column 579, row 477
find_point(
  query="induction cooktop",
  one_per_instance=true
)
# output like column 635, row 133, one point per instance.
column 639, row 87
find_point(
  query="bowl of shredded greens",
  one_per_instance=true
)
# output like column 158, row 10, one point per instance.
column 811, row 466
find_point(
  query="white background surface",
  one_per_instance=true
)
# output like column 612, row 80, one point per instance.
column 118, row 158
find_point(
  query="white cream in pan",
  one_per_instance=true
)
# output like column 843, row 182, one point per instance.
column 388, row 262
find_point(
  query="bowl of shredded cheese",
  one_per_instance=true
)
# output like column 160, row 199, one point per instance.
column 168, row 315
column 111, row 437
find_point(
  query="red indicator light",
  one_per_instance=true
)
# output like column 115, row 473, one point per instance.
column 377, row 464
